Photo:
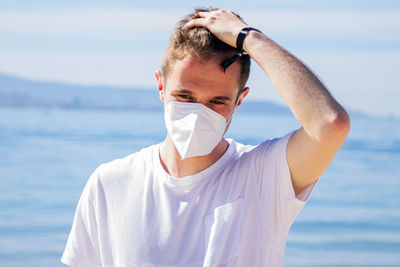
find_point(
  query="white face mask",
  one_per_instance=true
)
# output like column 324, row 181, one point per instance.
column 194, row 128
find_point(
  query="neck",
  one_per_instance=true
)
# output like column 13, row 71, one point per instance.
column 175, row 166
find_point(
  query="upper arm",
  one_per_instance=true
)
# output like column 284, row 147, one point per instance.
column 309, row 157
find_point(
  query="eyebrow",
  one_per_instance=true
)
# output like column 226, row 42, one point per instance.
column 182, row 91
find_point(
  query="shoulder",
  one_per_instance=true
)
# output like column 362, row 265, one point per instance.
column 274, row 146
column 123, row 164
column 120, row 170
column 268, row 147
column 271, row 152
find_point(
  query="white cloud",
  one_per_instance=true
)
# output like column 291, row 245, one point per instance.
column 89, row 21
column 333, row 25
column 367, row 25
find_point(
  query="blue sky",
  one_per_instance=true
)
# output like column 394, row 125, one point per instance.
column 353, row 46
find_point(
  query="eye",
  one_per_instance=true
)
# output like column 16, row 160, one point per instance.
column 217, row 102
column 186, row 97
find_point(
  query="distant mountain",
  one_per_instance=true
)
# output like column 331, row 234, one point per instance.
column 26, row 93
column 20, row 92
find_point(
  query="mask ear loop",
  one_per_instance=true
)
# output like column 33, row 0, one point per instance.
column 165, row 99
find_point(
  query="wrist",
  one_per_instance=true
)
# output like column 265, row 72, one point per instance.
column 240, row 49
column 242, row 36
column 250, row 37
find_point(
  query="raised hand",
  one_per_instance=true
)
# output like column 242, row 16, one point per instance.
column 225, row 25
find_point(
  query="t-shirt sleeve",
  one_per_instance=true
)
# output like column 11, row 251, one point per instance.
column 82, row 245
column 277, row 196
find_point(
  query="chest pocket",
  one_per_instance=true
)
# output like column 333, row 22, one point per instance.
column 222, row 233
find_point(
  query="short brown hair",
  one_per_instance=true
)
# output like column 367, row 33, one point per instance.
column 202, row 44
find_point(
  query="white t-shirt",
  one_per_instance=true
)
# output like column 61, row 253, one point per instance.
column 237, row 212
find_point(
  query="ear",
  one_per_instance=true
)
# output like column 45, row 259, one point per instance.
column 159, row 84
column 243, row 94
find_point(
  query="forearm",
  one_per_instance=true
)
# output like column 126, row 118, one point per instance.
column 311, row 103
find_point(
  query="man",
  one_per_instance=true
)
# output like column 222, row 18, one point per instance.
column 198, row 199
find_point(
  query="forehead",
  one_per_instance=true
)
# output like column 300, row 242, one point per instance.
column 190, row 73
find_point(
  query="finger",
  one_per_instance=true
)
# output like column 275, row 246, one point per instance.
column 200, row 22
column 206, row 13
column 203, row 13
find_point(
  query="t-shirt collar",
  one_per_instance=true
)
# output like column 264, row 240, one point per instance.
column 190, row 180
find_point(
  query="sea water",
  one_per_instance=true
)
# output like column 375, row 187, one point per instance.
column 47, row 155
